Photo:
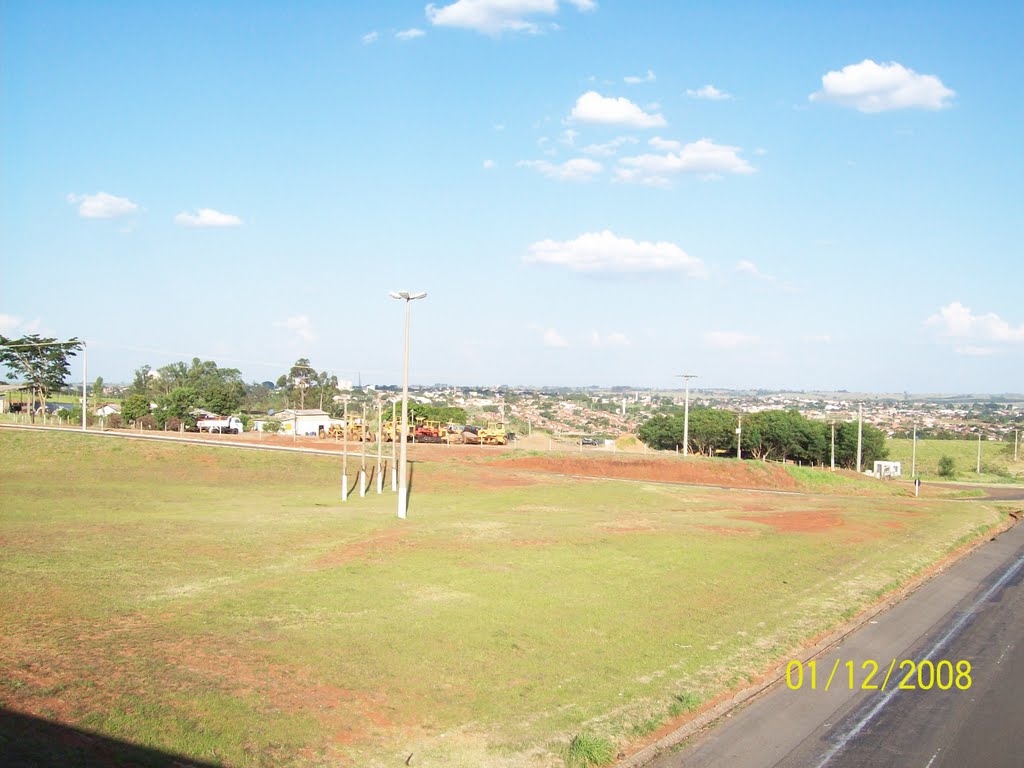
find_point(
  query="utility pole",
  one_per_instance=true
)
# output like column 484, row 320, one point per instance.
column 1015, row 444
column 979, row 451
column 860, row 435
column 686, row 411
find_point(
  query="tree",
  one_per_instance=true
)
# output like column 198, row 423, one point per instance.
column 41, row 361
column 178, row 404
column 662, row 432
column 97, row 390
column 947, row 467
column 135, row 407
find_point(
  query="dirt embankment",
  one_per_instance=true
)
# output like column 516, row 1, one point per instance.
column 697, row 471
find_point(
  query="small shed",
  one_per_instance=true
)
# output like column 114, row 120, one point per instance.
column 885, row 470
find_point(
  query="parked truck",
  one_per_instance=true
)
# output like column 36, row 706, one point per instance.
column 229, row 425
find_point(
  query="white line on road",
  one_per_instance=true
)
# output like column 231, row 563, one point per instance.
column 958, row 625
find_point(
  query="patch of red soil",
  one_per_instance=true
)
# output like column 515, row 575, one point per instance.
column 473, row 477
column 379, row 543
column 804, row 521
column 692, row 471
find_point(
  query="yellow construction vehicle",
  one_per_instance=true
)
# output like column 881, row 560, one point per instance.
column 495, row 433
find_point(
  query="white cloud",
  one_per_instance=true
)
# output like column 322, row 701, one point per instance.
column 207, row 217
column 959, row 322
column 493, row 17
column 819, row 339
column 609, row 148
column 604, row 252
column 613, row 339
column 102, row 206
column 301, row 326
column 708, row 92
column 729, row 339
column 665, row 145
column 553, row 338
column 569, row 137
column 871, row 87
column 11, row 325
column 489, row 164
column 410, row 34
column 592, row 107
column 370, row 37
column 577, row 169
column 703, row 157
column 972, row 351
column 635, row 79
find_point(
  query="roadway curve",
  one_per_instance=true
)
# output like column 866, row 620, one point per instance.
column 974, row 611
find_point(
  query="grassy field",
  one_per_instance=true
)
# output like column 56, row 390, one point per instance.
column 997, row 464
column 224, row 605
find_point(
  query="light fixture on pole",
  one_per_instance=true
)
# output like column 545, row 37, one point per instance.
column 403, row 488
column 686, row 411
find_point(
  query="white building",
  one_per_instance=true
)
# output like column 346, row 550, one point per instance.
column 307, row 422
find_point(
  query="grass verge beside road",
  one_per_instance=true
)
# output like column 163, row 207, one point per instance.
column 226, row 606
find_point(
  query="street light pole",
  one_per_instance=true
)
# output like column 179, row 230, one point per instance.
column 403, row 487
column 686, row 411
column 979, row 451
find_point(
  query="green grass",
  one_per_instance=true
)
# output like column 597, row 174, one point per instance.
column 997, row 464
column 225, row 605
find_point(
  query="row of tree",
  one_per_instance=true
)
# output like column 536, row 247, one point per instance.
column 767, row 435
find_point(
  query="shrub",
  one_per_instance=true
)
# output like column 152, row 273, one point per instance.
column 272, row 427
column 947, row 467
column 114, row 421
column 148, row 421
column 173, row 424
column 586, row 750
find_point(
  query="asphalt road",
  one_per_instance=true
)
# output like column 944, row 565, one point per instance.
column 974, row 612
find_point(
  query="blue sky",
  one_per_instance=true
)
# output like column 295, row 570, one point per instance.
column 769, row 195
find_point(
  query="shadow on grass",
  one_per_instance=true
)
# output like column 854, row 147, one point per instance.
column 31, row 742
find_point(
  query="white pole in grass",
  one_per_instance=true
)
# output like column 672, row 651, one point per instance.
column 686, row 411
column 833, row 447
column 85, row 375
column 362, row 468
column 344, row 451
column 1015, row 444
column 860, row 435
column 403, row 486
column 979, row 451
column 739, row 437
column 394, row 445
column 380, row 444
column 913, row 460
